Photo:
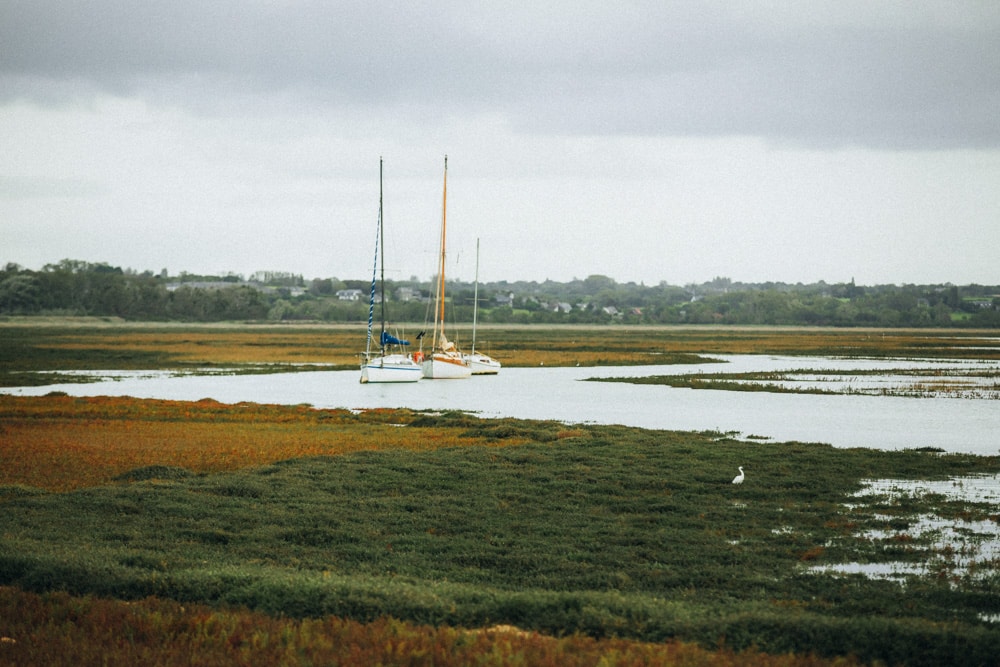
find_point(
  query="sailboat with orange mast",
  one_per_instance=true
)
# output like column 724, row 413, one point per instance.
column 445, row 361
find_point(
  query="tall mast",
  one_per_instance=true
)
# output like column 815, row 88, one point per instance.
column 475, row 301
column 444, row 236
column 381, row 242
column 371, row 295
column 441, row 259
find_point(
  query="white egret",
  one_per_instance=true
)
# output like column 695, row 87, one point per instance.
column 739, row 478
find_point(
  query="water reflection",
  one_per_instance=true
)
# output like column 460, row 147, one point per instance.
column 954, row 425
column 956, row 548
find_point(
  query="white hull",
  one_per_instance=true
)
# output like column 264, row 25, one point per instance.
column 482, row 364
column 441, row 366
column 390, row 368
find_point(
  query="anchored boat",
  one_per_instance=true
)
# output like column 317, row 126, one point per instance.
column 445, row 361
column 391, row 364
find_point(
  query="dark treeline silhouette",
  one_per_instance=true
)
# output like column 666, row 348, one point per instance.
column 78, row 288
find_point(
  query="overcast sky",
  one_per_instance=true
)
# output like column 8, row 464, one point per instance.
column 647, row 141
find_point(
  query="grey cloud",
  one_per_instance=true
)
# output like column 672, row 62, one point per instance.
column 886, row 81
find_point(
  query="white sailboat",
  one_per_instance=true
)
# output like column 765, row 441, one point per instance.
column 388, row 366
column 481, row 364
column 444, row 361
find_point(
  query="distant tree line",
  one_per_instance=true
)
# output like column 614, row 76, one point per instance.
column 74, row 287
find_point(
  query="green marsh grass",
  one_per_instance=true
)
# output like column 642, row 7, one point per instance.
column 598, row 530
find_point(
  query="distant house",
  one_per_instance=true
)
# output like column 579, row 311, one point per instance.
column 982, row 303
column 611, row 310
column 272, row 289
column 349, row 294
column 208, row 285
column 504, row 299
column 407, row 294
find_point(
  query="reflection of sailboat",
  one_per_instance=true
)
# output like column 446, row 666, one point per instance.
column 445, row 361
column 481, row 364
column 386, row 367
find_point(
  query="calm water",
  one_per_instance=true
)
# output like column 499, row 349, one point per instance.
column 955, row 425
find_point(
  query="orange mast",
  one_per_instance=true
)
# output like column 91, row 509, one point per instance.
column 441, row 259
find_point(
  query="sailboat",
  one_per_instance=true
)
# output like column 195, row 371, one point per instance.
column 481, row 364
column 388, row 366
column 444, row 361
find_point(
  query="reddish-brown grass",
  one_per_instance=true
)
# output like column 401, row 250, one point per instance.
column 58, row 629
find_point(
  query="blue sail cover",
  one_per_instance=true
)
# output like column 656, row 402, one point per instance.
column 389, row 339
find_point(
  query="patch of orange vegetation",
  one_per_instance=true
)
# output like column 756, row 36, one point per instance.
column 213, row 346
column 62, row 443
